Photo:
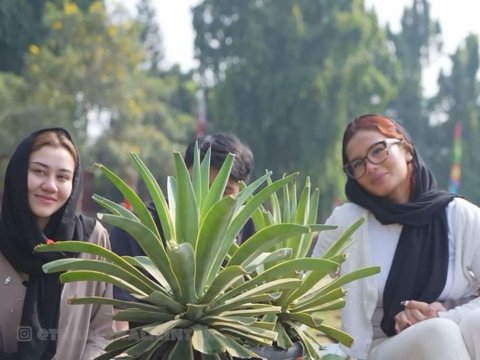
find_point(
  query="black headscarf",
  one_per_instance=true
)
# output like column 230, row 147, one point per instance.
column 19, row 234
column 420, row 264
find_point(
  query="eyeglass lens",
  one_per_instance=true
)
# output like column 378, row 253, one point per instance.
column 377, row 154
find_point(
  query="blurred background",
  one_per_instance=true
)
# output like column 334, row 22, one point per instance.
column 284, row 75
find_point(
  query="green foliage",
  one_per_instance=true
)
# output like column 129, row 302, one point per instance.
column 227, row 298
column 150, row 35
column 82, row 68
column 288, row 75
column 283, row 75
column 457, row 101
column 20, row 26
column 415, row 44
column 88, row 76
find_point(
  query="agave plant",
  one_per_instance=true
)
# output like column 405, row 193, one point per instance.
column 303, row 308
column 198, row 294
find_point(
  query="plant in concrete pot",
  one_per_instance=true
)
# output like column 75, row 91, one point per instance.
column 199, row 295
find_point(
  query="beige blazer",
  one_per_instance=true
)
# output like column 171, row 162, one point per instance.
column 81, row 328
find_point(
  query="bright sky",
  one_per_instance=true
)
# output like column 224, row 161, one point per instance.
column 458, row 18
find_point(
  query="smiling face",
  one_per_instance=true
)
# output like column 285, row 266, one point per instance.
column 50, row 180
column 391, row 178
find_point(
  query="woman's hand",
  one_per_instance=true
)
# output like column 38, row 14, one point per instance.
column 416, row 311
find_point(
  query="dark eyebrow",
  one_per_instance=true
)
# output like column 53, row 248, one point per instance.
column 46, row 166
column 362, row 158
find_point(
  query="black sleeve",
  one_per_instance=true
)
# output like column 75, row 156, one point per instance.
column 156, row 218
column 123, row 244
column 247, row 231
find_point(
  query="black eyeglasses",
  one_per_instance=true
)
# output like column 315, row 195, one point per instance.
column 376, row 154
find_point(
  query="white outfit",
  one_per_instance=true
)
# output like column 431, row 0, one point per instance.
column 374, row 244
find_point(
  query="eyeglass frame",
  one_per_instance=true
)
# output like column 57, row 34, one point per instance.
column 387, row 142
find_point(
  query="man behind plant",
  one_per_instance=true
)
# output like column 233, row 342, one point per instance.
column 221, row 145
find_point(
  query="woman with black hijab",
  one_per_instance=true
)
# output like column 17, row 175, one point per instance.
column 423, row 304
column 40, row 198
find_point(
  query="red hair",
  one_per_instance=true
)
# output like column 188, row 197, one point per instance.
column 385, row 126
column 374, row 122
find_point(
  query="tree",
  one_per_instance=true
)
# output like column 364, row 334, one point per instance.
column 416, row 43
column 20, row 26
column 180, row 88
column 87, row 76
column 150, row 35
column 287, row 76
column 457, row 100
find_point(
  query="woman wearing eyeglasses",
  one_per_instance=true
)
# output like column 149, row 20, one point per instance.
column 423, row 304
